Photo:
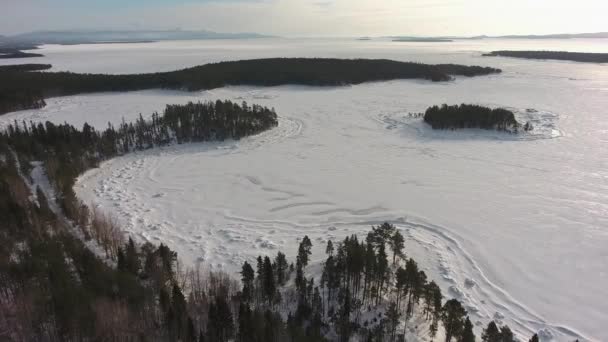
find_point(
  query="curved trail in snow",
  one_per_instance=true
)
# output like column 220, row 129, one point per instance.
column 517, row 227
column 495, row 216
column 444, row 257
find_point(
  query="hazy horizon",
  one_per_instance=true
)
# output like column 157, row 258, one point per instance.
column 263, row 34
column 310, row 18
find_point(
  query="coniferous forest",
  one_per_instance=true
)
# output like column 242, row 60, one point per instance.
column 24, row 67
column 472, row 116
column 589, row 57
column 22, row 90
column 68, row 273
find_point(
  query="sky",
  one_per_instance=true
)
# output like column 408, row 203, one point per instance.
column 314, row 18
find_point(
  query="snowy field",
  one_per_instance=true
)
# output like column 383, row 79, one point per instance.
column 515, row 227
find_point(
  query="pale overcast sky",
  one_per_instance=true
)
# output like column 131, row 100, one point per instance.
column 312, row 17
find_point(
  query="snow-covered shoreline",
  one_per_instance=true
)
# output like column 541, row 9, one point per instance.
column 516, row 228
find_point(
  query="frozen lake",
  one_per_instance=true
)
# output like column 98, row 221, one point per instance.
column 516, row 227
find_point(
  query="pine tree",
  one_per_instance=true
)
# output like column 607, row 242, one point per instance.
column 281, row 268
column 453, row 319
column 491, row 333
column 467, row 334
column 247, row 278
column 534, row 338
column 179, row 310
column 506, row 335
column 220, row 326
column 396, row 243
column 304, row 251
column 268, row 282
column 393, row 315
column 132, row 258
column 246, row 324
column 329, row 249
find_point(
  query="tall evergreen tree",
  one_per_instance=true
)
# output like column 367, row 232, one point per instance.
column 329, row 249
column 506, row 335
column 268, row 282
column 453, row 315
column 281, row 268
column 491, row 333
column 132, row 258
column 304, row 251
column 467, row 333
column 396, row 243
column 247, row 278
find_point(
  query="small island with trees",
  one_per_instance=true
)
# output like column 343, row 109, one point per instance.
column 588, row 57
column 422, row 40
column 23, row 90
column 472, row 116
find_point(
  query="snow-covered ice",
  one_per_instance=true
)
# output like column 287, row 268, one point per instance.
column 514, row 226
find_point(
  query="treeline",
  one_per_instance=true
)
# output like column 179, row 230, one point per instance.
column 589, row 57
column 367, row 290
column 472, row 116
column 24, row 67
column 16, row 88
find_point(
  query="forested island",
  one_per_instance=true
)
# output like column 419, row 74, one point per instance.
column 423, row 40
column 21, row 90
column 472, row 116
column 588, row 57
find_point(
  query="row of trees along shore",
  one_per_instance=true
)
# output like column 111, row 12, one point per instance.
column 22, row 90
column 472, row 116
column 589, row 57
column 68, row 274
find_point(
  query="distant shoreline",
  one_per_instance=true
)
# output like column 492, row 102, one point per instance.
column 9, row 53
column 422, row 40
column 585, row 57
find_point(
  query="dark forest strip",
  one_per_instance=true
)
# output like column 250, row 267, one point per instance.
column 21, row 90
column 472, row 116
column 587, row 57
column 24, row 67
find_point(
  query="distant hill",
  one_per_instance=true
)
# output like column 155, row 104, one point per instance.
column 532, row 36
column 559, row 36
column 588, row 57
column 422, row 39
column 83, row 37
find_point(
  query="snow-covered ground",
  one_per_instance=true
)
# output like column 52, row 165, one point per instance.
column 516, row 227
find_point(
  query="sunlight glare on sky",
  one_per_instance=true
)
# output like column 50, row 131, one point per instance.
column 312, row 17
